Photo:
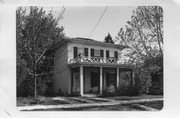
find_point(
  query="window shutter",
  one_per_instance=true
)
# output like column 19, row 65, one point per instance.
column 101, row 53
column 85, row 51
column 107, row 53
column 116, row 54
column 92, row 52
column 75, row 52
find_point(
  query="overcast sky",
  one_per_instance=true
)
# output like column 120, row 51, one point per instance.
column 79, row 21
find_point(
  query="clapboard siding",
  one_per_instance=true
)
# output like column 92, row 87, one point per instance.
column 61, row 70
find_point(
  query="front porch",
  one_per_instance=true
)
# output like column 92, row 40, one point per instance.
column 87, row 79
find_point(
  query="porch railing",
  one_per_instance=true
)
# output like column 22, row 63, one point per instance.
column 96, row 60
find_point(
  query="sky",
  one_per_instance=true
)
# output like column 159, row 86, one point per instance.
column 79, row 21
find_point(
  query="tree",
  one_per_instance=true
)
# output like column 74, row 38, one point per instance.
column 36, row 31
column 108, row 39
column 144, row 35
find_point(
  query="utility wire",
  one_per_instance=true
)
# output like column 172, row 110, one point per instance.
column 61, row 13
column 98, row 22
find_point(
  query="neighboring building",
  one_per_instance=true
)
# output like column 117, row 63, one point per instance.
column 85, row 66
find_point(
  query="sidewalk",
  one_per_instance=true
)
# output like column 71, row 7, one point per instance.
column 115, row 102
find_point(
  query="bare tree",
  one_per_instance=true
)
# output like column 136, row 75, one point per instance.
column 144, row 33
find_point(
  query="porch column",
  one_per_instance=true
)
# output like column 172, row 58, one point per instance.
column 101, row 80
column 117, row 78
column 81, row 81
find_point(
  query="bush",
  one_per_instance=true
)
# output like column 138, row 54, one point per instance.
column 108, row 94
column 156, row 89
column 142, row 81
column 25, row 88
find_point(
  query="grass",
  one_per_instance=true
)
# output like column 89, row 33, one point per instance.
column 123, row 107
column 29, row 101
column 157, row 104
column 100, row 108
column 135, row 97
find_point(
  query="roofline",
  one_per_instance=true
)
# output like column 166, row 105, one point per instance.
column 88, row 41
column 95, row 42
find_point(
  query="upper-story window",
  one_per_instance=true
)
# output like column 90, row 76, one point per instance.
column 92, row 52
column 97, row 53
column 116, row 54
column 86, row 52
column 107, row 53
column 75, row 52
column 102, row 53
column 111, row 54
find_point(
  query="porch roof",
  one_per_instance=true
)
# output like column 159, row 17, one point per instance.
column 77, row 64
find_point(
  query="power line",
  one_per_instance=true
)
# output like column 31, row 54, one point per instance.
column 61, row 13
column 98, row 22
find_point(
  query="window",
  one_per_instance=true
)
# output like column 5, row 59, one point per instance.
column 116, row 54
column 107, row 53
column 85, row 51
column 102, row 53
column 75, row 52
column 92, row 52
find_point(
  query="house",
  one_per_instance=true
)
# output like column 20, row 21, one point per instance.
column 85, row 66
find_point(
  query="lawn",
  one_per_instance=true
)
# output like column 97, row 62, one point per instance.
column 100, row 108
column 123, row 107
column 29, row 101
column 157, row 104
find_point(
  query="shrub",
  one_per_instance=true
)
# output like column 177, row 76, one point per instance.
column 142, row 81
column 107, row 94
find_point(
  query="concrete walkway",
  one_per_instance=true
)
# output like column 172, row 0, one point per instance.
column 115, row 102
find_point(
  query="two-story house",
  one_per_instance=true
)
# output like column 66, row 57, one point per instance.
column 85, row 66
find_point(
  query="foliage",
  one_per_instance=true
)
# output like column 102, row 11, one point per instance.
column 36, row 31
column 108, row 39
column 144, row 35
column 142, row 80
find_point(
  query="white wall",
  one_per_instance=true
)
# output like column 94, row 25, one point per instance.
column 60, row 70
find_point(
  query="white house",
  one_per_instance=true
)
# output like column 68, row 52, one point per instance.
column 85, row 66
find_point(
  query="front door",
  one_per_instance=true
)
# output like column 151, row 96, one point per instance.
column 110, row 79
column 95, row 82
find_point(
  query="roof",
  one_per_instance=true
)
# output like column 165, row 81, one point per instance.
column 88, row 41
